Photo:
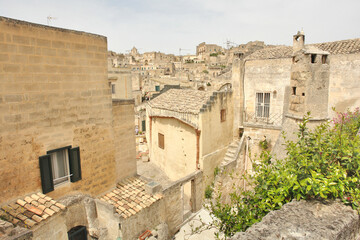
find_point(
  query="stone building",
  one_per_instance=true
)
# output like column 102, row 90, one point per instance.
column 188, row 130
column 276, row 83
column 61, row 134
column 204, row 48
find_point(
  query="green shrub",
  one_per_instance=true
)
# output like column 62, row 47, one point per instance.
column 216, row 171
column 321, row 164
column 209, row 191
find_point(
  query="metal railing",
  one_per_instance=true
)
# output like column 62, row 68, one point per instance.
column 274, row 119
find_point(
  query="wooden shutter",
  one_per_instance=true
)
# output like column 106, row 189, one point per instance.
column 46, row 174
column 161, row 141
column 74, row 162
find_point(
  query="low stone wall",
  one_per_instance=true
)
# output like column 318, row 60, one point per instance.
column 306, row 220
column 174, row 205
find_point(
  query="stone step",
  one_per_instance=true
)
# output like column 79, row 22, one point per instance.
column 230, row 155
column 232, row 150
column 233, row 145
column 228, row 159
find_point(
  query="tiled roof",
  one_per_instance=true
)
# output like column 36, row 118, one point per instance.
column 181, row 100
column 340, row 47
column 31, row 210
column 271, row 53
column 129, row 197
column 337, row 47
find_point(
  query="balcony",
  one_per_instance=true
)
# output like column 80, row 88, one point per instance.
column 273, row 121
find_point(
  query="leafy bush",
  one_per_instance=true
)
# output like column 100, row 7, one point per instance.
column 321, row 164
column 209, row 191
column 206, row 71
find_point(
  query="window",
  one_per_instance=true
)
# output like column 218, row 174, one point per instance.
column 113, row 88
column 293, row 90
column 59, row 166
column 77, row 233
column 262, row 105
column 313, row 58
column 161, row 141
column 223, row 115
column 323, row 59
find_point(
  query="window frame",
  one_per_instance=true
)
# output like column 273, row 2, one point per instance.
column 265, row 107
column 54, row 164
column 47, row 169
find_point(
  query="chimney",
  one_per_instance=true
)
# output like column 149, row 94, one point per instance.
column 298, row 41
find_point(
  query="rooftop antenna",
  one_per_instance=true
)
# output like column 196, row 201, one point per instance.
column 49, row 19
column 229, row 44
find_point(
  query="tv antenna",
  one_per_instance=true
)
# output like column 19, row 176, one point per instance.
column 49, row 19
column 229, row 44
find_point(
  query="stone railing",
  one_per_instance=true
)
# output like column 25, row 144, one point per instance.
column 274, row 119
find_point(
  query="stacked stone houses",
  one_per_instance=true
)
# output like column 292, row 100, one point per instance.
column 67, row 143
column 275, row 87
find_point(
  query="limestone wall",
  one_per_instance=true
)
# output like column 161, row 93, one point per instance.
column 147, row 219
column 344, row 87
column 216, row 134
column 54, row 92
column 57, row 226
column 124, row 136
column 270, row 76
column 306, row 220
column 178, row 158
column 123, row 84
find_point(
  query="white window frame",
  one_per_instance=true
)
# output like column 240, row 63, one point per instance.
column 58, row 180
column 262, row 107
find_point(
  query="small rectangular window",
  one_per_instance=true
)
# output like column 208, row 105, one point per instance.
column 293, row 90
column 113, row 88
column 223, row 115
column 262, row 105
column 161, row 141
column 313, row 58
column 323, row 59
column 60, row 166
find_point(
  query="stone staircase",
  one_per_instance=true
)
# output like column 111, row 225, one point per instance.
column 232, row 154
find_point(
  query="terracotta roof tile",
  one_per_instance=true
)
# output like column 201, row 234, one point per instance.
column 31, row 210
column 337, row 47
column 181, row 100
column 129, row 197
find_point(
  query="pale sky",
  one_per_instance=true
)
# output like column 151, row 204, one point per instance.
column 167, row 25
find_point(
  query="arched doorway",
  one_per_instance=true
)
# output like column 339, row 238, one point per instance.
column 78, row 233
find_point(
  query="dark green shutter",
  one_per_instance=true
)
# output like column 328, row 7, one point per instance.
column 46, row 174
column 143, row 125
column 75, row 166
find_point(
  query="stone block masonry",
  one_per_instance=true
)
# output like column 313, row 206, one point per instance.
column 124, row 133
column 306, row 220
column 53, row 93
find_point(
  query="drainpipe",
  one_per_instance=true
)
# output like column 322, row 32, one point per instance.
column 197, row 149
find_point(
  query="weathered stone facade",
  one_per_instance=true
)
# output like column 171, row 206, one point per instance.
column 54, row 93
column 124, row 136
column 306, row 220
column 196, row 127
